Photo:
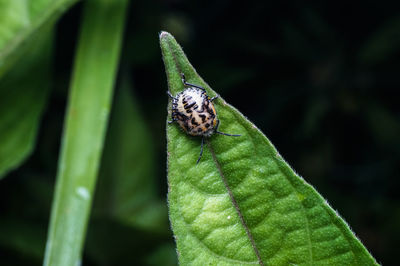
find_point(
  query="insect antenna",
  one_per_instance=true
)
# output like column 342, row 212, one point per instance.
column 190, row 84
column 226, row 134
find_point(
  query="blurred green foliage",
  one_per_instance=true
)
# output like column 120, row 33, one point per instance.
column 89, row 104
column 320, row 80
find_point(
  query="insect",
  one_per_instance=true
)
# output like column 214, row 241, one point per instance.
column 195, row 113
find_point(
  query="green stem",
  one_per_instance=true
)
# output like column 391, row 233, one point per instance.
column 86, row 119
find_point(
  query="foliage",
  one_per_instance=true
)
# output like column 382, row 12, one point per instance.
column 322, row 87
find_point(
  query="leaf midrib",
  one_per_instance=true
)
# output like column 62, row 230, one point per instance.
column 234, row 203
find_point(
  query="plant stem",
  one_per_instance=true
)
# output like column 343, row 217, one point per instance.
column 84, row 130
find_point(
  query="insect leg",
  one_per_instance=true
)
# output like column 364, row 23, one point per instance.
column 190, row 84
column 201, row 150
column 222, row 133
column 213, row 98
column 170, row 95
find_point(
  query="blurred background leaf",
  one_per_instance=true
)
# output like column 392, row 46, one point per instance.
column 23, row 94
column 22, row 21
column 127, row 186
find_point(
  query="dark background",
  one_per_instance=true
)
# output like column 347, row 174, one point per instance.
column 320, row 80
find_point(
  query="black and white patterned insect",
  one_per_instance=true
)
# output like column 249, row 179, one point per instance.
column 195, row 113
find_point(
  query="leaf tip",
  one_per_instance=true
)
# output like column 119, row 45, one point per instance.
column 164, row 34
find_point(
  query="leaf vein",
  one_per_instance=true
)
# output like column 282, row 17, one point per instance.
column 247, row 229
column 212, row 252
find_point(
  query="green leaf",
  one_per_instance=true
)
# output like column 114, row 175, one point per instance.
column 20, row 23
column 243, row 204
column 86, row 119
column 127, row 189
column 25, row 56
column 23, row 94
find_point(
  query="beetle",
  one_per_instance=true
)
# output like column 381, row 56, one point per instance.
column 195, row 113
